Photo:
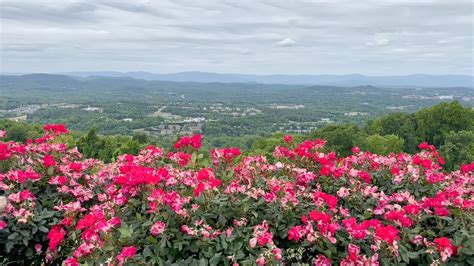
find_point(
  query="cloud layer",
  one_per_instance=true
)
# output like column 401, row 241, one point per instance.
column 259, row 37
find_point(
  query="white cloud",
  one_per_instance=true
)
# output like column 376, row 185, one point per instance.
column 245, row 51
column 400, row 50
column 236, row 36
column 286, row 42
column 378, row 42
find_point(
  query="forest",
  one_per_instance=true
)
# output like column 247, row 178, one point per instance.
column 162, row 109
column 449, row 126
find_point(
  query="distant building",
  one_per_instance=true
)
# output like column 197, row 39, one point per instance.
column 93, row 109
column 18, row 118
column 445, row 97
column 355, row 114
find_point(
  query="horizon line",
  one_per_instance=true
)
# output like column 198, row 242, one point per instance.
column 224, row 73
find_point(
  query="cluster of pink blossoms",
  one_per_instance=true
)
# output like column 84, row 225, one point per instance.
column 184, row 142
column 264, row 238
column 224, row 155
column 365, row 204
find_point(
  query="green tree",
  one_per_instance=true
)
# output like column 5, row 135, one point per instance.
column 130, row 147
column 400, row 124
column 91, row 145
column 140, row 138
column 458, row 148
column 383, row 144
column 20, row 131
column 340, row 138
column 266, row 145
column 435, row 123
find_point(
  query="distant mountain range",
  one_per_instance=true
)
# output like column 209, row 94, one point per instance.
column 416, row 80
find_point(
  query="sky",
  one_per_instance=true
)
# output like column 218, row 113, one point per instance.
column 252, row 37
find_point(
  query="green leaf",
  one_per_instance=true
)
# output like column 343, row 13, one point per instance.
column 107, row 247
column 222, row 220
column 224, row 244
column 238, row 245
column 215, row 259
column 147, row 223
column 202, row 262
column 413, row 255
column 404, row 256
column 138, row 215
column 147, row 252
column 125, row 233
column 9, row 246
column 12, row 236
column 163, row 243
column 151, row 240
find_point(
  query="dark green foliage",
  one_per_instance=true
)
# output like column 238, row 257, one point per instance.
column 383, row 145
column 341, row 138
column 399, row 124
column 106, row 148
column 458, row 148
column 20, row 131
column 435, row 123
column 90, row 144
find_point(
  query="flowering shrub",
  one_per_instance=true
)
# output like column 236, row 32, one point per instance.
column 300, row 205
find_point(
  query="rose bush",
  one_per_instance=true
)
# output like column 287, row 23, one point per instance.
column 300, row 205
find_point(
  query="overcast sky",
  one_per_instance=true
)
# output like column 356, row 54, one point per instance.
column 256, row 37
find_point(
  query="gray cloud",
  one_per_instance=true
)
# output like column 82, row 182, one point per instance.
column 369, row 37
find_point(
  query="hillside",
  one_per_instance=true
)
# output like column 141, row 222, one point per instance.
column 417, row 80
